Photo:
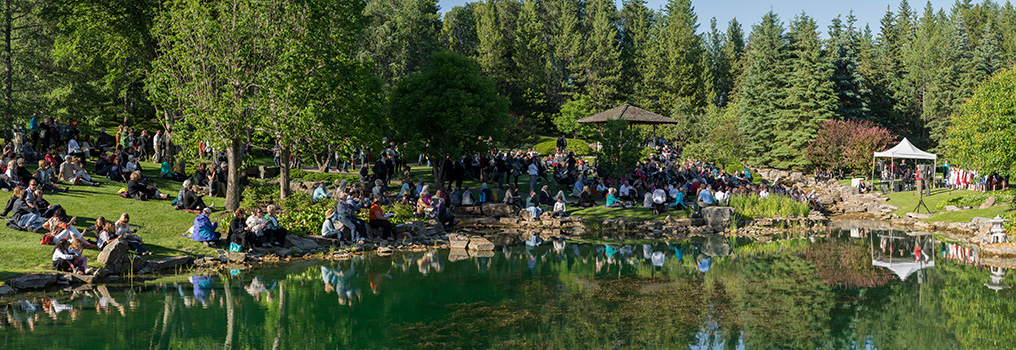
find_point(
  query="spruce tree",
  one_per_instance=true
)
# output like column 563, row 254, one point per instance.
column 810, row 99
column 494, row 51
column 987, row 60
column 733, row 52
column 458, row 30
column 849, row 83
column 635, row 22
column 678, row 62
column 721, row 81
column 762, row 88
column 568, row 43
column 602, row 66
column 539, row 93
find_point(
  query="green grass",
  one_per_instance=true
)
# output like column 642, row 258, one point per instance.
column 754, row 207
column 547, row 145
column 966, row 215
column 632, row 214
column 157, row 223
column 908, row 200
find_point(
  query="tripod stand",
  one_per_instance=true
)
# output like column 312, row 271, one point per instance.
column 920, row 203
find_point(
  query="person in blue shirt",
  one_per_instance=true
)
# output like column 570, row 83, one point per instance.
column 320, row 193
column 705, row 197
column 204, row 228
column 486, row 195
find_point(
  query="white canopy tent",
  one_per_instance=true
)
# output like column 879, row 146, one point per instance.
column 903, row 269
column 904, row 150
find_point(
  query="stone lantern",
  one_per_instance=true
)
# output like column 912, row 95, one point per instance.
column 997, row 275
column 997, row 231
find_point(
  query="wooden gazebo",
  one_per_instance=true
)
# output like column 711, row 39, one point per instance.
column 632, row 114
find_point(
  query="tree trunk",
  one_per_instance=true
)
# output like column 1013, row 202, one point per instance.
column 234, row 152
column 284, row 173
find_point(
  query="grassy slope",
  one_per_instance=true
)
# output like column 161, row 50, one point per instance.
column 907, row 201
column 157, row 223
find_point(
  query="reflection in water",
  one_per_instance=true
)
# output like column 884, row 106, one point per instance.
column 829, row 292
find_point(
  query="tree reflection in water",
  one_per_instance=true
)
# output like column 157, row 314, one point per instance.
column 793, row 295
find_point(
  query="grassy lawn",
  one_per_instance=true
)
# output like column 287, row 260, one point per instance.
column 908, row 200
column 966, row 215
column 157, row 223
column 600, row 213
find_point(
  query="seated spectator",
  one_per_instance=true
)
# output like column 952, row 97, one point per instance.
column 122, row 230
column 423, row 204
column 44, row 175
column 240, row 236
column 67, row 260
column 613, row 201
column 647, row 200
column 442, row 214
column 320, row 193
column 204, row 228
column 200, row 176
column 331, row 228
column 705, row 197
column 659, row 201
column 486, row 195
column 81, row 176
column 679, row 199
column 585, row 198
column 140, row 191
column 379, row 191
column 467, row 197
column 257, row 223
column 379, row 220
column 560, row 209
column 100, row 222
column 273, row 231
column 533, row 206
column 456, row 197
column 545, row 198
column 43, row 207
column 166, row 171
column 189, row 199
column 25, row 215
column 512, row 196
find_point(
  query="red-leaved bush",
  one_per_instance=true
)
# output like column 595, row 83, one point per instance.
column 848, row 145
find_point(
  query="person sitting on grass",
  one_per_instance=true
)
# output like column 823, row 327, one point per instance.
column 273, row 231
column 122, row 230
column 659, row 198
column 423, row 204
column 512, row 196
column 25, row 216
column 44, row 174
column 320, row 193
column 189, row 199
column 379, row 220
column 586, row 198
column 116, row 171
column 166, row 171
column 545, row 198
column 77, row 174
column 43, row 207
column 140, row 191
column 204, row 228
column 67, row 260
column 486, row 195
column 678, row 199
column 613, row 201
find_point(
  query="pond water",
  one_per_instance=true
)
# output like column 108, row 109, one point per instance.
column 860, row 290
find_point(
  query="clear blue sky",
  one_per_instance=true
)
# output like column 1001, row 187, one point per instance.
column 749, row 12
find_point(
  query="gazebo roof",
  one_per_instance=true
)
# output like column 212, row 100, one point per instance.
column 632, row 114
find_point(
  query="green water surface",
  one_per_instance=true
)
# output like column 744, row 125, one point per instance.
column 705, row 293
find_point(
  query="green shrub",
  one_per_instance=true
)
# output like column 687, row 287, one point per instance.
column 259, row 194
column 304, row 176
column 550, row 146
column 301, row 215
column 755, row 207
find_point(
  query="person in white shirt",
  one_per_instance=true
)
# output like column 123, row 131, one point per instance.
column 625, row 191
column 73, row 148
column 560, row 210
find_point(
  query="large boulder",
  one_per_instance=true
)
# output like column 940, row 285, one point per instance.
column 457, row 241
column 114, row 253
column 717, row 216
column 294, row 241
column 34, row 281
column 170, row 262
column 498, row 210
column 480, row 243
column 988, row 203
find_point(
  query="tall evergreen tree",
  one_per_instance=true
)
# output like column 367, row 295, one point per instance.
column 678, row 62
column 719, row 67
column 849, row 83
column 635, row 22
column 810, row 99
column 532, row 58
column 495, row 52
column 602, row 67
column 568, row 43
column 400, row 37
column 733, row 52
column 458, row 30
column 762, row 88
column 987, row 60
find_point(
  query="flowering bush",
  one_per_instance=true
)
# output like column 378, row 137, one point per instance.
column 848, row 145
